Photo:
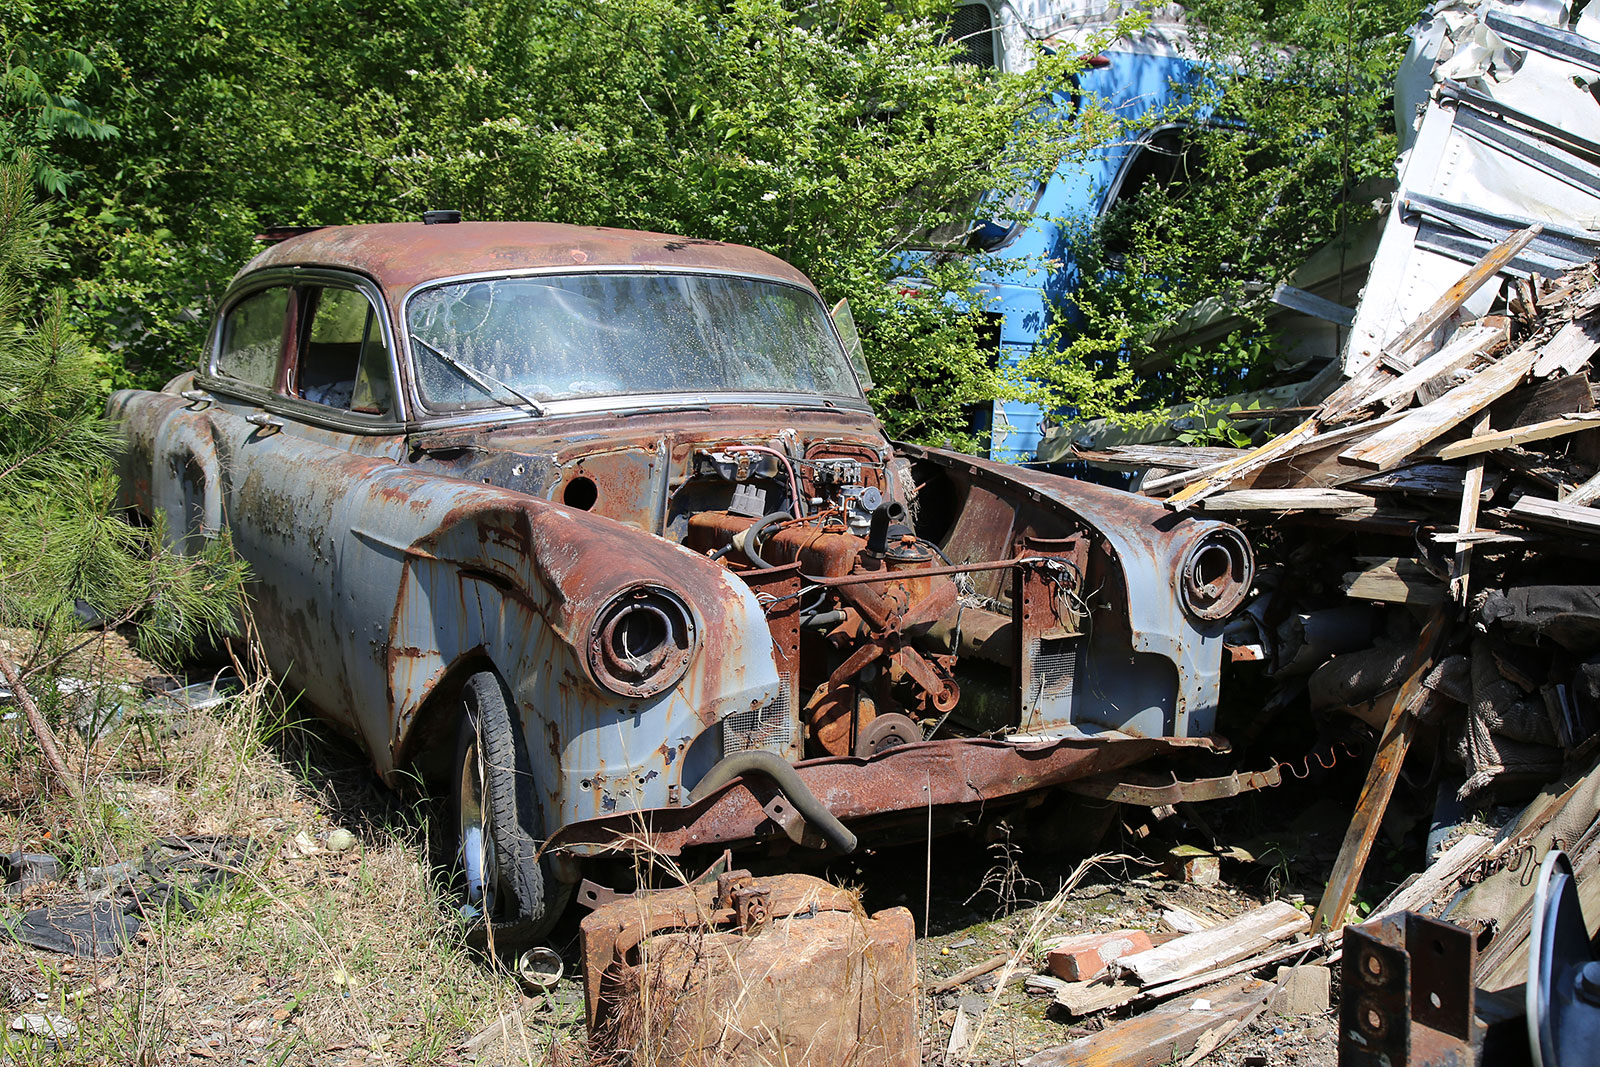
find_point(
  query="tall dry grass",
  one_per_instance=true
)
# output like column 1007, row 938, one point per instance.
column 310, row 953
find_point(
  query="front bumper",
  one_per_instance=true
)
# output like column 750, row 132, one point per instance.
column 910, row 779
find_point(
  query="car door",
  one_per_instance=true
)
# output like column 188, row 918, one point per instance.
column 299, row 451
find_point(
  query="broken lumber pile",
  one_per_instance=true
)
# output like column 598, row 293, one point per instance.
column 1189, row 994
column 1443, row 577
column 1455, row 476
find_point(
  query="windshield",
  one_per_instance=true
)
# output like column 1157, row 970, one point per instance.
column 554, row 337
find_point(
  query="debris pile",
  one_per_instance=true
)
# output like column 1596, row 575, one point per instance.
column 1449, row 482
column 1433, row 574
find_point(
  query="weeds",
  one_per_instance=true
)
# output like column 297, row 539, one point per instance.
column 308, row 955
column 1005, row 881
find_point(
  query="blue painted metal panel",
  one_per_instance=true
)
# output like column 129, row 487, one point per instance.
column 1028, row 278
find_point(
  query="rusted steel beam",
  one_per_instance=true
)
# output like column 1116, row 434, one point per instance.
column 922, row 572
column 1381, row 779
column 1148, row 795
column 1408, row 997
column 913, row 777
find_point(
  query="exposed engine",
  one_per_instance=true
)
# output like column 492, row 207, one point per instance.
column 871, row 617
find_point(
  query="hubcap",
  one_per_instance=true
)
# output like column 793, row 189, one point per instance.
column 476, row 857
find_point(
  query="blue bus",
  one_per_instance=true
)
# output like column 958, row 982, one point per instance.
column 1028, row 268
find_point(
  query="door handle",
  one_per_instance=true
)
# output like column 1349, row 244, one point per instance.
column 196, row 396
column 265, row 421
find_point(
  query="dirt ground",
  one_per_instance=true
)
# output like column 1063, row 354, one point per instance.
column 332, row 945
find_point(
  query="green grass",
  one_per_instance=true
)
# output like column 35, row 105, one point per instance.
column 327, row 958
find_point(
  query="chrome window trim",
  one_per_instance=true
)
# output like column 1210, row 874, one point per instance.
column 298, row 408
column 616, row 401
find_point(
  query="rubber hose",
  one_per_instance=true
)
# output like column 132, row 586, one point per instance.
column 783, row 775
column 752, row 537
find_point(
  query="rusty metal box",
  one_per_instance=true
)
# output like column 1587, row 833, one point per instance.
column 780, row 970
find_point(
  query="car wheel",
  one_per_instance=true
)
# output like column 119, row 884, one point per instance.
column 507, row 893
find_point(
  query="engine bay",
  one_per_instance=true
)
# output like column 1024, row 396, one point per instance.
column 884, row 634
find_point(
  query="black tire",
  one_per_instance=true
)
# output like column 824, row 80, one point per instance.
column 510, row 894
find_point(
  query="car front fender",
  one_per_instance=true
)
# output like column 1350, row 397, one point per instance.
column 492, row 574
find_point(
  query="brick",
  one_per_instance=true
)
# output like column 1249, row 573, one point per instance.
column 1081, row 957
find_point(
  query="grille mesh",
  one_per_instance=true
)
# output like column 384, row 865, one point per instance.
column 1052, row 665
column 769, row 726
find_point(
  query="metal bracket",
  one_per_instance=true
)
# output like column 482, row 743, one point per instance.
column 1408, row 995
column 594, row 895
column 790, row 821
column 1152, row 795
column 750, row 904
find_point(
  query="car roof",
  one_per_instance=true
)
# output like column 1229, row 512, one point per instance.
column 400, row 255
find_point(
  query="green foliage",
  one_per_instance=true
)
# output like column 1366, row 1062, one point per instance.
column 1292, row 117
column 825, row 135
column 59, row 539
column 39, row 80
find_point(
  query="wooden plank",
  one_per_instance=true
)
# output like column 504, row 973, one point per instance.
column 1444, row 481
column 1276, row 954
column 1380, row 783
column 1152, row 486
column 1395, row 581
column 1467, row 521
column 1571, row 349
column 1488, row 537
column 1438, row 881
column 1587, row 493
column 1469, row 343
column 1253, row 460
column 1162, row 1035
column 960, row 1034
column 1559, row 294
column 1286, row 500
column 1391, row 445
column 1351, row 397
column 1177, row 457
column 1520, row 435
column 1086, row 998
column 1559, row 515
column 1283, row 471
column 1380, row 521
column 1316, row 462
column 1451, row 299
column 1218, row 946
column 1247, row 414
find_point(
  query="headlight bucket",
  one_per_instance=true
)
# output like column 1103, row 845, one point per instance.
column 641, row 641
column 1215, row 575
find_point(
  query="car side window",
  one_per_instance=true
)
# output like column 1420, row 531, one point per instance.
column 343, row 362
column 252, row 338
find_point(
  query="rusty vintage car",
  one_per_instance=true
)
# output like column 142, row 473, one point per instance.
column 596, row 530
